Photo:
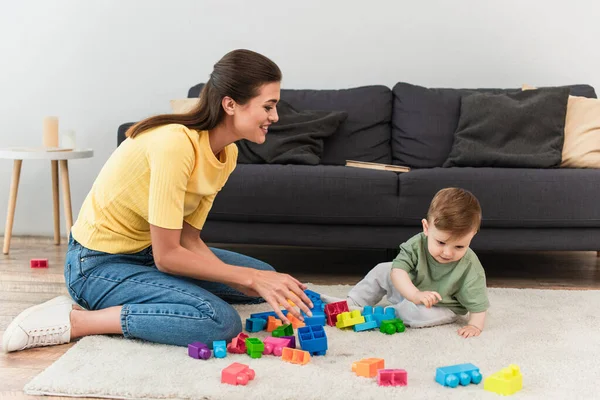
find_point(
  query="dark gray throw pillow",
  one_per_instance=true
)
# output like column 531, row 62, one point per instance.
column 524, row 129
column 297, row 138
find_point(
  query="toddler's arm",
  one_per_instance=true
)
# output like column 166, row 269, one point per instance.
column 475, row 325
column 409, row 291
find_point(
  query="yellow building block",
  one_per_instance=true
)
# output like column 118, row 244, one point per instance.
column 505, row 382
column 348, row 319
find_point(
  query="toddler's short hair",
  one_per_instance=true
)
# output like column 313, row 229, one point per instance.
column 456, row 211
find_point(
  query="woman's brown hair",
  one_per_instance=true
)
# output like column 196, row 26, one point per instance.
column 239, row 75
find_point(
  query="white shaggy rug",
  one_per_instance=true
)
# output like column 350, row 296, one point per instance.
column 554, row 336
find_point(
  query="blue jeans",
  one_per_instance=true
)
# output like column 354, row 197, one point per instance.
column 157, row 307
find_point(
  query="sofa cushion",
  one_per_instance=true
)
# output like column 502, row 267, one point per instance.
column 510, row 197
column 424, row 121
column 364, row 136
column 297, row 138
column 524, row 129
column 308, row 195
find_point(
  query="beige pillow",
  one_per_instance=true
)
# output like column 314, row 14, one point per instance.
column 581, row 148
column 183, row 106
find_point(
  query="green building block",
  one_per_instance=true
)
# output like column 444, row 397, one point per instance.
column 254, row 347
column 284, row 330
column 391, row 326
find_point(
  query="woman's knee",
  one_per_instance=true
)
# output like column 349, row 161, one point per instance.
column 228, row 323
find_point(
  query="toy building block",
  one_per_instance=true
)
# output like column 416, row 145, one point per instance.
column 292, row 343
column 199, row 350
column 295, row 356
column 255, row 324
column 283, row 330
column 238, row 344
column 333, row 309
column 313, row 339
column 273, row 323
column 392, row 326
column 266, row 315
column 237, row 374
column 369, row 323
column 313, row 296
column 505, row 382
column 296, row 323
column 368, row 367
column 348, row 319
column 392, row 377
column 461, row 373
column 220, row 348
column 38, row 263
column 318, row 318
column 254, row 347
column 275, row 345
column 379, row 314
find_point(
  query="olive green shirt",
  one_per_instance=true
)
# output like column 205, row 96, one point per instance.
column 461, row 283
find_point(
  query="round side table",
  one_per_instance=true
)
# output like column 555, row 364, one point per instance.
column 58, row 158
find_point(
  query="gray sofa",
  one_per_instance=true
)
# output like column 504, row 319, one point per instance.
column 330, row 205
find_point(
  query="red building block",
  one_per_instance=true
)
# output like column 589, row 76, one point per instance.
column 238, row 344
column 38, row 263
column 237, row 374
column 333, row 309
column 392, row 377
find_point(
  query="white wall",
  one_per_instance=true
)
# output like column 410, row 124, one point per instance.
column 98, row 64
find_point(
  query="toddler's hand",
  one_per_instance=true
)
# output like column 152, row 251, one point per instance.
column 428, row 299
column 469, row 331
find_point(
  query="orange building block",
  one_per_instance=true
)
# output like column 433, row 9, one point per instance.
column 295, row 356
column 273, row 323
column 368, row 367
column 296, row 323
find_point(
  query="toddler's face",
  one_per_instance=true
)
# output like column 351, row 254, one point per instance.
column 442, row 247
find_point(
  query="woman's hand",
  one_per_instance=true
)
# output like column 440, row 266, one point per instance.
column 277, row 288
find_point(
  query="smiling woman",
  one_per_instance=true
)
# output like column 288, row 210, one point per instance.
column 136, row 264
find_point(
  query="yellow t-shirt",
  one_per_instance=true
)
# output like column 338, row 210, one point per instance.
column 162, row 177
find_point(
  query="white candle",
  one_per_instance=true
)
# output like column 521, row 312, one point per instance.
column 50, row 138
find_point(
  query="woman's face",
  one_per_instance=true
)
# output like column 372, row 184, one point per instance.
column 251, row 121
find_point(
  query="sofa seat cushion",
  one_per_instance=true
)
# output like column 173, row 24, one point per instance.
column 308, row 195
column 510, row 197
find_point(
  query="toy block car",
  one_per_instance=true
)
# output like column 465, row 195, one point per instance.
column 220, row 348
column 313, row 339
column 391, row 326
column 295, row 356
column 392, row 377
column 255, row 324
column 38, row 263
column 283, row 330
column 275, row 345
column 333, row 309
column 199, row 350
column 505, row 382
column 237, row 374
column 452, row 375
column 348, row 319
column 254, row 347
column 238, row 344
column 368, row 367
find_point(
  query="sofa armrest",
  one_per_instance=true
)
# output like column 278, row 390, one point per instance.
column 121, row 132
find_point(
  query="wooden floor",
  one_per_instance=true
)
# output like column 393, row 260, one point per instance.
column 21, row 287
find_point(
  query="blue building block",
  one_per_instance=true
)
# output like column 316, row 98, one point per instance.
column 313, row 339
column 379, row 314
column 220, row 348
column 369, row 323
column 266, row 315
column 255, row 324
column 461, row 373
column 318, row 318
column 313, row 296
